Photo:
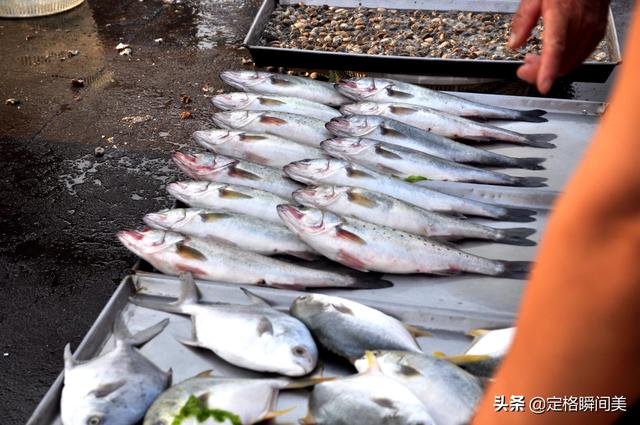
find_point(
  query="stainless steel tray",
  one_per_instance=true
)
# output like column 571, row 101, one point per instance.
column 480, row 68
column 448, row 306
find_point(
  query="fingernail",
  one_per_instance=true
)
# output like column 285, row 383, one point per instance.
column 546, row 85
column 512, row 39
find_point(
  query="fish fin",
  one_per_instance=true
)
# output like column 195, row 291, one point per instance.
column 530, row 181
column 360, row 199
column 382, row 151
column 386, row 403
column 342, row 309
column 529, row 163
column 386, row 131
column 280, row 82
column 518, row 215
column 306, row 382
column 265, row 326
column 407, row 371
column 258, row 159
column 121, row 332
column 248, row 137
column 417, row 331
column 372, row 362
column 308, row 420
column 275, row 413
column 389, row 170
column 515, row 269
column 462, row 358
column 370, row 283
column 351, row 261
column 540, row 140
column 303, row 255
column 188, row 296
column 516, row 236
column 190, row 343
column 534, row 115
column 402, row 110
column 234, row 171
column 204, row 374
column 266, row 119
column 445, row 273
column 348, row 235
column 255, row 299
column 106, row 389
column 189, row 253
column 476, row 333
column 211, row 216
column 224, row 192
column 352, row 172
column 268, row 101
column 169, row 378
column 398, row 94
column 69, row 361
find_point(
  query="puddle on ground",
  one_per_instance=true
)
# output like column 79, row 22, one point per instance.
column 219, row 22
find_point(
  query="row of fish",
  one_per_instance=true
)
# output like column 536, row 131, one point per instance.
column 121, row 386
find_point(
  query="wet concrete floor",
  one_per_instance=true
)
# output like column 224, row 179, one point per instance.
column 59, row 259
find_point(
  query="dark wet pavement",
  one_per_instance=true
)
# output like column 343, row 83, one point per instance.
column 59, row 259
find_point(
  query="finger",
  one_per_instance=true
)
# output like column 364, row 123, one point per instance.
column 529, row 71
column 523, row 22
column 554, row 47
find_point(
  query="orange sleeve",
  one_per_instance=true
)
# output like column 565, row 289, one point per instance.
column 579, row 324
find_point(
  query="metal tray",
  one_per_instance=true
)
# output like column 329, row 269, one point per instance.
column 482, row 68
column 448, row 306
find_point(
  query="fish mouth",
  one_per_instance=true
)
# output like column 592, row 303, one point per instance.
column 347, row 84
column 293, row 217
column 156, row 221
column 289, row 211
column 349, row 109
column 232, row 79
column 189, row 164
column 296, row 172
column 131, row 239
column 206, row 138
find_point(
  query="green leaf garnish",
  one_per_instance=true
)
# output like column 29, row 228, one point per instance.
column 194, row 407
column 414, row 179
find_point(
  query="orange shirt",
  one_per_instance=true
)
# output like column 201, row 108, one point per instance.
column 579, row 325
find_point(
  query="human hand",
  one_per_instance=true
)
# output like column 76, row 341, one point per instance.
column 572, row 29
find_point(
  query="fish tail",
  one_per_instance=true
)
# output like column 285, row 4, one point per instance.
column 370, row 283
column 530, row 181
column 540, row 140
column 529, row 163
column 188, row 296
column 516, row 236
column 122, row 335
column 533, row 115
column 518, row 215
column 514, row 269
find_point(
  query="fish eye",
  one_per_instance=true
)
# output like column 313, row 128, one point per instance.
column 94, row 420
column 299, row 351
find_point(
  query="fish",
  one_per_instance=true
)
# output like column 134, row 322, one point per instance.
column 384, row 90
column 173, row 254
column 368, row 398
column 284, row 85
column 243, row 231
column 405, row 163
column 397, row 133
column 343, row 173
column 261, row 148
column 349, row 329
column 227, row 197
column 370, row 247
column 447, row 125
column 222, row 169
column 299, row 128
column 449, row 393
column 254, row 336
column 116, row 387
column 384, row 210
column 262, row 102
column 485, row 353
column 213, row 399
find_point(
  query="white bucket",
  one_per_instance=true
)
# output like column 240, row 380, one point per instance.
column 34, row 8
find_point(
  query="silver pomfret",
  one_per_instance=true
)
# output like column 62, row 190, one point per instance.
column 115, row 388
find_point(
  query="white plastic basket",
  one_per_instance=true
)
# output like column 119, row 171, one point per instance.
column 34, row 8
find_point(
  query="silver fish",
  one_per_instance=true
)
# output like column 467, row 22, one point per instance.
column 284, row 85
column 243, row 231
column 256, row 336
column 299, row 128
column 262, row 102
column 226, row 197
column 223, row 400
column 173, row 254
column 349, row 329
column 369, row 398
column 447, row 125
column 397, row 133
column 408, row 163
column 115, row 388
column 384, row 210
column 343, row 173
column 222, row 169
column 449, row 393
column 263, row 149
column 385, row 90
column 369, row 247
